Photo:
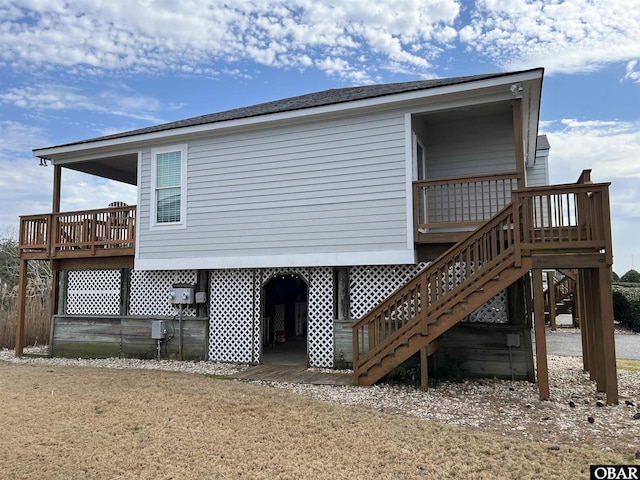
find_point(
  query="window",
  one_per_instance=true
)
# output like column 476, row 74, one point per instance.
column 169, row 186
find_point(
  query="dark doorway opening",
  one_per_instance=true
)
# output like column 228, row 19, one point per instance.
column 284, row 324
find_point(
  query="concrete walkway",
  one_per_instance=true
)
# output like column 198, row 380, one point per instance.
column 569, row 344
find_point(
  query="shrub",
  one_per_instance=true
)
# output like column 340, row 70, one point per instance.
column 626, row 306
column 631, row 276
column 616, row 277
column 37, row 316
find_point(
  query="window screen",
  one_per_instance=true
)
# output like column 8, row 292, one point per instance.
column 168, row 187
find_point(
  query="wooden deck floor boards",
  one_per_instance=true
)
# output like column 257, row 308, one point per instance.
column 293, row 374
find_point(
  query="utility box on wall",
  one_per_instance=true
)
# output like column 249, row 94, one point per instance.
column 182, row 295
column 158, row 329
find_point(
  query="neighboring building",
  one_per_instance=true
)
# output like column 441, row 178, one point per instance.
column 292, row 219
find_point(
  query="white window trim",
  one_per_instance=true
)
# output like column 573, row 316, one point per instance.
column 182, row 148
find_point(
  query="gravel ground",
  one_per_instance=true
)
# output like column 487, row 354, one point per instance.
column 576, row 415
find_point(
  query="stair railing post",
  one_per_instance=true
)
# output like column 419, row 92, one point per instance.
column 355, row 354
column 516, row 207
column 424, row 303
column 424, row 369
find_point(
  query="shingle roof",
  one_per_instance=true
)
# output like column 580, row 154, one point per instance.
column 317, row 99
column 543, row 143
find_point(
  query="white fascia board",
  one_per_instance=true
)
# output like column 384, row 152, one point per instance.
column 342, row 259
column 296, row 114
column 531, row 102
column 469, row 101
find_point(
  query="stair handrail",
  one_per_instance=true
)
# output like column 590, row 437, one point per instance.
column 429, row 284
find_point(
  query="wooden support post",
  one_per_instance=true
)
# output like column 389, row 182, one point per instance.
column 604, row 340
column 516, row 108
column 589, row 323
column 22, row 306
column 528, row 295
column 125, row 288
column 62, row 292
column 424, row 369
column 580, row 306
column 597, row 352
column 55, row 209
column 541, row 340
column 551, row 288
column 575, row 318
column 57, row 180
column 607, row 336
column 55, row 290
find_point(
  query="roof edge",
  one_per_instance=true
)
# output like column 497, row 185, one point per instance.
column 336, row 99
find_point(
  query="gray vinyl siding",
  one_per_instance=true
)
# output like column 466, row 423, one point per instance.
column 330, row 186
column 472, row 146
column 538, row 174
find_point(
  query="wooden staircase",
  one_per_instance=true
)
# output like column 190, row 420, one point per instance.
column 542, row 226
column 559, row 296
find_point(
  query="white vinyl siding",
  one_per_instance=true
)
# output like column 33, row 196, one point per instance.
column 324, row 188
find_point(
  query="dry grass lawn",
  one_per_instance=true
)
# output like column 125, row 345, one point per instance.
column 629, row 365
column 86, row 423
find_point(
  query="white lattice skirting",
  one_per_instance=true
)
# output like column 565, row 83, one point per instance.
column 150, row 292
column 236, row 299
column 93, row 292
column 235, row 314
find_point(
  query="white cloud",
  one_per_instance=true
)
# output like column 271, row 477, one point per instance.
column 568, row 37
column 75, row 186
column 204, row 37
column 26, row 187
column 160, row 36
column 611, row 149
column 62, row 97
column 18, row 137
column 633, row 71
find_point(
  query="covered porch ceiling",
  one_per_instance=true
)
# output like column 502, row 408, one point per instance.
column 122, row 168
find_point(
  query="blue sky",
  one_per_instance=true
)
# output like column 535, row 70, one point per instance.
column 72, row 70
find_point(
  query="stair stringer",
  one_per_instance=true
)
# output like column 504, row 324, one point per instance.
column 414, row 338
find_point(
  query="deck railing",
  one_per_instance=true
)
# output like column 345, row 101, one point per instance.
column 74, row 234
column 559, row 217
column 461, row 202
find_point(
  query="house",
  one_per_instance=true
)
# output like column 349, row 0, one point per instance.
column 293, row 222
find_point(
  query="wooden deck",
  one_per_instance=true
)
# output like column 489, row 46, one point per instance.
column 293, row 374
column 106, row 232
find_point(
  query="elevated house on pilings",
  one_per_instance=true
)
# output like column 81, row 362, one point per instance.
column 352, row 227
